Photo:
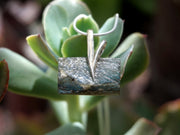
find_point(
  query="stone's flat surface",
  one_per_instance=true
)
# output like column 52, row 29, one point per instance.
column 74, row 76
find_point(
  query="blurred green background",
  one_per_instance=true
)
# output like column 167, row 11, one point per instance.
column 153, row 95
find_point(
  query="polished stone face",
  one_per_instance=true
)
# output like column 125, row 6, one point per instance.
column 74, row 76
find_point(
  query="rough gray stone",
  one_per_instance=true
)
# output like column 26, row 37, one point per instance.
column 74, row 76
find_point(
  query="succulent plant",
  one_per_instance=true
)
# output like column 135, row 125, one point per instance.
column 63, row 41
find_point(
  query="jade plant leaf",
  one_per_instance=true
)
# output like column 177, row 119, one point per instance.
column 42, row 50
column 69, row 129
column 76, row 45
column 4, row 78
column 65, row 34
column 59, row 14
column 144, row 127
column 85, row 24
column 28, row 79
column 124, row 59
column 112, row 38
column 139, row 59
column 168, row 118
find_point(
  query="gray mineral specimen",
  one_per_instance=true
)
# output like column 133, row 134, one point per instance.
column 74, row 76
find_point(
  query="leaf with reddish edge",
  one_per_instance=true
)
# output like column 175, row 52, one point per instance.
column 4, row 78
column 144, row 127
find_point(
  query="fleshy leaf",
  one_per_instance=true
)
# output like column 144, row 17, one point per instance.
column 27, row 79
column 168, row 118
column 143, row 127
column 69, row 129
column 59, row 14
column 65, row 34
column 112, row 38
column 4, row 78
column 139, row 59
column 75, row 46
column 124, row 58
column 85, row 24
column 42, row 50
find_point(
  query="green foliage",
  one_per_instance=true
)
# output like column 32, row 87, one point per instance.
column 139, row 59
column 27, row 79
column 143, row 127
column 42, row 50
column 69, row 129
column 57, row 15
column 169, row 118
column 112, row 38
column 78, row 43
column 4, row 77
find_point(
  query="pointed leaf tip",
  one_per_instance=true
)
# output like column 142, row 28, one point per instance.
column 139, row 59
column 4, row 78
column 41, row 49
column 144, row 127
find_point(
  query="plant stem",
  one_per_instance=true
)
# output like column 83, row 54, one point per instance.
column 61, row 111
column 100, row 118
column 104, row 117
column 75, row 114
column 107, row 116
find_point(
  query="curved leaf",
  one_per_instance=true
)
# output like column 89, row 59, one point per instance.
column 4, row 78
column 41, row 49
column 139, row 59
column 143, row 127
column 168, row 118
column 59, row 14
column 65, row 34
column 27, row 79
column 112, row 38
column 69, row 129
column 75, row 46
column 85, row 24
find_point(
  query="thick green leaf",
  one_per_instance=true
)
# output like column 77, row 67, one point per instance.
column 75, row 46
column 124, row 59
column 41, row 49
column 27, row 79
column 59, row 14
column 112, row 38
column 4, row 78
column 85, row 24
column 139, row 59
column 69, row 129
column 168, row 118
column 143, row 127
column 65, row 34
